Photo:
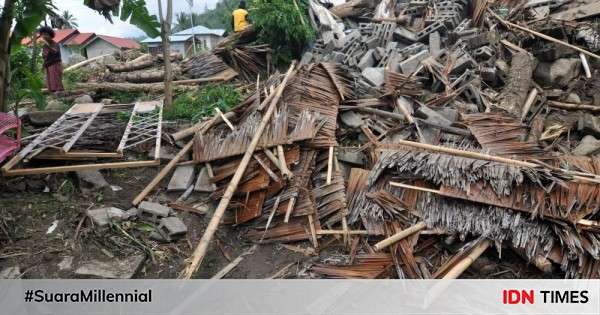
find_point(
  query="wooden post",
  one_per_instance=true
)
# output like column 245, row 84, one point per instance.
column 165, row 27
column 399, row 236
column 202, row 247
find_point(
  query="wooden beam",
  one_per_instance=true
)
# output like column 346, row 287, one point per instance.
column 83, row 167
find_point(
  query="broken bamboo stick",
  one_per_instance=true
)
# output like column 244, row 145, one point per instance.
column 329, row 165
column 399, row 236
column 223, row 272
column 342, row 232
column 202, row 247
column 573, row 106
column 162, row 173
column 527, row 106
column 229, row 124
column 283, row 164
column 586, row 66
column 464, row 263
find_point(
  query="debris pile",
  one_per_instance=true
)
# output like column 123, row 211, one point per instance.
column 411, row 137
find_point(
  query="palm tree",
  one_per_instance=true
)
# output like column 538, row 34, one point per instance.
column 182, row 22
column 69, row 21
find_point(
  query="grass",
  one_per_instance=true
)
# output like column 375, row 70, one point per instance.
column 72, row 77
column 195, row 105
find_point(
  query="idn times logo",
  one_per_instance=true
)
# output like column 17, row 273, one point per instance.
column 513, row 296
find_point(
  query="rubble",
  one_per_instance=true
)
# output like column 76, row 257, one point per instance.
column 124, row 268
column 415, row 137
column 152, row 211
column 106, row 215
column 182, row 178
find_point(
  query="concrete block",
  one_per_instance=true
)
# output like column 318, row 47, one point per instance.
column 152, row 211
column 402, row 34
column 411, row 64
column 367, row 60
column 171, row 228
column 375, row 76
column 113, row 269
column 203, row 183
column 102, row 216
column 182, row 178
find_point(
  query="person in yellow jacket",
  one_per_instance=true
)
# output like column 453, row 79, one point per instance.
column 240, row 17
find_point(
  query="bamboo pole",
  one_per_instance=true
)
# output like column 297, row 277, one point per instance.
column 467, row 154
column 162, row 173
column 329, row 165
column 202, row 247
column 85, row 62
column 573, row 106
column 464, row 263
column 342, row 232
column 540, row 35
column 399, row 236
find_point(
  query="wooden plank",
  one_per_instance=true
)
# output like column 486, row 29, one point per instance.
column 75, row 168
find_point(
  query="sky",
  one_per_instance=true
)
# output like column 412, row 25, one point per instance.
column 90, row 21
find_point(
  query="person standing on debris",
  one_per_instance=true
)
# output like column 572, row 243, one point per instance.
column 240, row 17
column 52, row 59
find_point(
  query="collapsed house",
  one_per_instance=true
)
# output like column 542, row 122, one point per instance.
column 407, row 126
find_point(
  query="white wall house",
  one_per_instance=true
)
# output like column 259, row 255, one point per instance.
column 182, row 42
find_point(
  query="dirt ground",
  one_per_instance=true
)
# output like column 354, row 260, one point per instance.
column 27, row 212
column 29, row 206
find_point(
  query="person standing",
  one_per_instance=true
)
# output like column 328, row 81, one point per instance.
column 240, row 17
column 52, row 59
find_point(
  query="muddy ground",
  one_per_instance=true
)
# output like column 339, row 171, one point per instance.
column 29, row 206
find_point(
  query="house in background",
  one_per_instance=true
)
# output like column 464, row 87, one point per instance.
column 71, row 51
column 75, row 46
column 182, row 42
column 103, row 44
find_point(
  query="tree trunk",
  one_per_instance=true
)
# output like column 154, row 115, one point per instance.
column 5, row 23
column 165, row 27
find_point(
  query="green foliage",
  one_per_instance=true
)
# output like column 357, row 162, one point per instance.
column 124, row 97
column 136, row 12
column 195, row 105
column 69, row 21
column 280, row 24
column 133, row 10
column 75, row 76
column 123, row 116
column 217, row 18
column 28, row 16
column 25, row 80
